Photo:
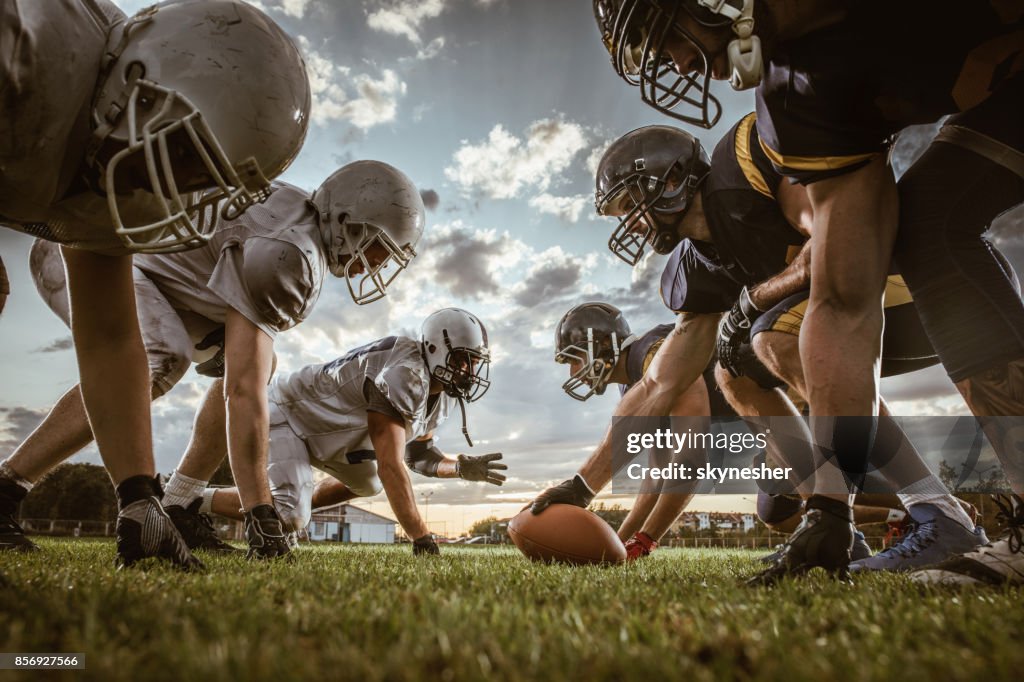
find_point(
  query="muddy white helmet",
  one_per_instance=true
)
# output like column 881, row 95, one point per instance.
column 372, row 217
column 196, row 95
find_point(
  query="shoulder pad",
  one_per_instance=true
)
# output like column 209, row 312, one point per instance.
column 693, row 282
column 280, row 280
column 406, row 387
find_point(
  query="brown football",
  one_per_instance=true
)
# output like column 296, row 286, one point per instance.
column 564, row 533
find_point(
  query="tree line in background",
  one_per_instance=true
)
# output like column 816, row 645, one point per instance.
column 83, row 492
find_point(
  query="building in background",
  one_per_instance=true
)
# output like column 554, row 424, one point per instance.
column 348, row 523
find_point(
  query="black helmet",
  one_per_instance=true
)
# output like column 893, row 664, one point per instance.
column 635, row 33
column 593, row 334
column 633, row 180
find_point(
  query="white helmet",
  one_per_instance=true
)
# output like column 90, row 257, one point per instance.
column 363, row 205
column 455, row 347
column 196, row 95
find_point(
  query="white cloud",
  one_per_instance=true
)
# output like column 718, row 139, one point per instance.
column 375, row 100
column 568, row 209
column 503, row 165
column 405, row 18
column 594, row 157
column 431, row 49
column 291, row 8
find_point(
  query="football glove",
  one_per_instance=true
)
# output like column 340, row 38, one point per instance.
column 425, row 545
column 574, row 491
column 484, row 468
column 640, row 545
column 734, row 332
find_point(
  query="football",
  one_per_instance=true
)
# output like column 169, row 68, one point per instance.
column 564, row 533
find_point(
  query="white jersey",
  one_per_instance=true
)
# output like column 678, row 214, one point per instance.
column 268, row 264
column 49, row 67
column 325, row 404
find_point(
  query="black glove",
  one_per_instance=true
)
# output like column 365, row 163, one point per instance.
column 425, row 545
column 214, row 367
column 482, row 468
column 735, row 333
column 574, row 491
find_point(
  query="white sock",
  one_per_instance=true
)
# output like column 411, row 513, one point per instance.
column 930, row 490
column 182, row 491
column 207, row 506
column 7, row 472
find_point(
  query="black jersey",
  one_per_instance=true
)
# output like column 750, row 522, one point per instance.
column 832, row 99
column 752, row 240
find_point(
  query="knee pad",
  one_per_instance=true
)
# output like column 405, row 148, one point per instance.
column 774, row 510
column 368, row 488
column 47, row 268
column 294, row 514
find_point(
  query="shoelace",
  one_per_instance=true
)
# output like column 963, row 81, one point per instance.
column 206, row 524
column 917, row 540
column 1011, row 513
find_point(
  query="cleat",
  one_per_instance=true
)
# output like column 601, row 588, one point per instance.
column 265, row 533
column 639, row 546
column 144, row 530
column 933, row 538
column 12, row 536
column 861, row 550
column 822, row 540
column 197, row 529
column 774, row 556
column 995, row 563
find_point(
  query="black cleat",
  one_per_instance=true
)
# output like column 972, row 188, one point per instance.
column 266, row 536
column 197, row 529
column 12, row 537
column 145, row 530
column 823, row 539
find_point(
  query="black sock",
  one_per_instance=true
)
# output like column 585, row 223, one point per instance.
column 830, row 506
column 137, row 488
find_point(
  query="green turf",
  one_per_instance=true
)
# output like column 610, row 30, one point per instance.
column 349, row 612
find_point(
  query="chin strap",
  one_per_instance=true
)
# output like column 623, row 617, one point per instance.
column 746, row 63
column 465, row 428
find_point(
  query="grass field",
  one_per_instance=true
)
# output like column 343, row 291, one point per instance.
column 349, row 612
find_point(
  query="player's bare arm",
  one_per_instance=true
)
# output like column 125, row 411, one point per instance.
column 249, row 356
column 678, row 364
column 795, row 278
column 387, row 434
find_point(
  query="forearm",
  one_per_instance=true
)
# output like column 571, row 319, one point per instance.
column 398, row 489
column 795, row 278
column 247, row 428
column 680, row 361
column 426, row 460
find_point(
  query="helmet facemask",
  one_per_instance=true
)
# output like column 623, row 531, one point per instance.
column 354, row 250
column 465, row 372
column 637, row 42
column 158, row 128
column 641, row 200
column 598, row 361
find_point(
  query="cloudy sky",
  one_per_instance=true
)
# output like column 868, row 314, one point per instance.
column 498, row 110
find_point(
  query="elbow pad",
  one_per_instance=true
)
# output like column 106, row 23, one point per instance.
column 422, row 457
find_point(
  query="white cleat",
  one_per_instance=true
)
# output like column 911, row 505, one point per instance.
column 996, row 563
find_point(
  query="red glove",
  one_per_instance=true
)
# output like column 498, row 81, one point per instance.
column 640, row 545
